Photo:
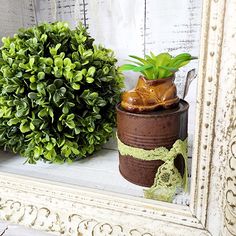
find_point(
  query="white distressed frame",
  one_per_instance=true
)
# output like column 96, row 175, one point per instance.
column 69, row 210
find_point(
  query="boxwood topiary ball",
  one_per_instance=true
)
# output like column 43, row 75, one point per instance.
column 58, row 93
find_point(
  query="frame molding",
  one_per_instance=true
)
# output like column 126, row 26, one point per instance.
column 213, row 24
column 69, row 210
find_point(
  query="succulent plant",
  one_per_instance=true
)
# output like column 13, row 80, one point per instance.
column 158, row 66
column 58, row 92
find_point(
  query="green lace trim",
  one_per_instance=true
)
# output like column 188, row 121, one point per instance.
column 167, row 178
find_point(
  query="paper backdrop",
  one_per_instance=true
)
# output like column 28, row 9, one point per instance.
column 127, row 26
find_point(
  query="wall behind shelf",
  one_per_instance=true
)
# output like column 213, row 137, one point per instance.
column 127, row 26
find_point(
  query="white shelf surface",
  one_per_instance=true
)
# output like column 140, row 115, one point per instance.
column 100, row 171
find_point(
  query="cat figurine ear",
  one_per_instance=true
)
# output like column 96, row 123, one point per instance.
column 191, row 75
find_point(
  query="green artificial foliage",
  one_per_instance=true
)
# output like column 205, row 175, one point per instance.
column 58, row 93
column 158, row 66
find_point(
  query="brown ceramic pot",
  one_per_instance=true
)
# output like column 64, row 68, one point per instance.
column 148, row 131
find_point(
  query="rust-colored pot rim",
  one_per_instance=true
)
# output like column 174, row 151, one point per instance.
column 183, row 106
column 157, row 81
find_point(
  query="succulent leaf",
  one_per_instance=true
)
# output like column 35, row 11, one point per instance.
column 157, row 66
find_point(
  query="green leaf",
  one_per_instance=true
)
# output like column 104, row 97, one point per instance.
column 66, row 151
column 32, row 127
column 77, row 131
column 53, row 51
column 36, row 122
column 180, row 63
column 163, row 59
column 67, row 62
column 183, row 56
column 78, row 77
column 31, row 62
column 24, row 128
column 41, row 75
column 62, row 91
column 70, row 124
column 58, row 83
column 43, row 113
column 57, row 72
column 105, row 70
column 87, row 53
column 56, row 97
column 59, row 127
column 68, row 74
column 49, row 61
column 65, row 109
column 32, row 95
column 101, row 103
column 89, row 80
column 75, row 150
column 81, row 49
column 38, row 151
column 91, row 71
column 50, row 111
column 51, row 88
column 43, row 38
column 70, row 117
column 182, row 60
column 61, row 141
column 90, row 129
column 58, row 62
column 33, row 86
column 32, row 79
column 107, row 128
column 135, row 62
column 157, row 66
column 127, row 67
column 75, row 86
column 49, row 146
column 171, row 69
column 58, row 46
column 151, row 60
column 13, row 121
column 22, row 109
column 138, row 58
column 142, row 68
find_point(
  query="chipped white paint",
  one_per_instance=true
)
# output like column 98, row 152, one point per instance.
column 227, row 125
column 70, row 210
